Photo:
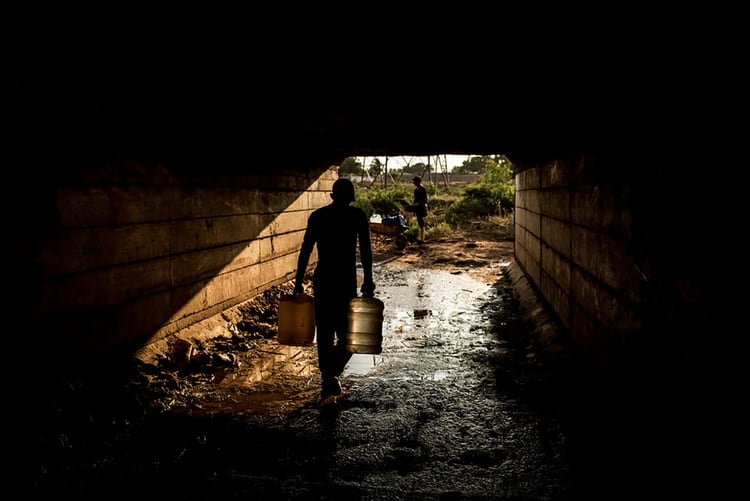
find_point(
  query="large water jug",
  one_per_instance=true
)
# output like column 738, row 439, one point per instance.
column 296, row 320
column 365, row 325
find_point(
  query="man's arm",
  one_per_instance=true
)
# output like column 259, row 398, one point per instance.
column 308, row 242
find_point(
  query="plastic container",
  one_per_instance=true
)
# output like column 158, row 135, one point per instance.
column 365, row 325
column 296, row 320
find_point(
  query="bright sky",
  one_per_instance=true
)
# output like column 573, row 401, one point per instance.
column 399, row 162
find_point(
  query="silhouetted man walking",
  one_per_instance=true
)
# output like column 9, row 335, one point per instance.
column 336, row 229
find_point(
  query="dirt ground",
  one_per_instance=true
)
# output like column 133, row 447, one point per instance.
column 474, row 254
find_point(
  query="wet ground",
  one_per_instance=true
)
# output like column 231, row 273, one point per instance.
column 475, row 395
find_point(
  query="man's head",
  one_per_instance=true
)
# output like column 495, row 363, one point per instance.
column 416, row 180
column 343, row 190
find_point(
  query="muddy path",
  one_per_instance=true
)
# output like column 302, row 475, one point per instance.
column 474, row 396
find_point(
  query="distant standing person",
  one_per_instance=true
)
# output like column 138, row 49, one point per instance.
column 336, row 229
column 419, row 205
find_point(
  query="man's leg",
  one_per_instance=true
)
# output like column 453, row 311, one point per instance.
column 332, row 323
column 325, row 332
column 326, row 361
column 341, row 355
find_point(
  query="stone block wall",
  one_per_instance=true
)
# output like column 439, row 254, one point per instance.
column 574, row 234
column 124, row 254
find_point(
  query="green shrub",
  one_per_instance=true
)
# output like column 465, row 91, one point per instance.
column 383, row 201
column 413, row 232
column 498, row 185
column 469, row 208
column 451, row 208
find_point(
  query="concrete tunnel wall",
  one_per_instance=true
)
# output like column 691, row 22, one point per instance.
column 575, row 224
column 124, row 254
column 635, row 260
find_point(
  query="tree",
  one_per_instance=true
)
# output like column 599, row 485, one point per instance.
column 350, row 166
column 420, row 169
column 498, row 180
column 474, row 165
column 492, row 195
column 376, row 168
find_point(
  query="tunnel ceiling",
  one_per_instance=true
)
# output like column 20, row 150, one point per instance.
column 303, row 126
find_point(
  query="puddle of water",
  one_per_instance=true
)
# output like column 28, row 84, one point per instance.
column 416, row 302
column 426, row 292
column 361, row 364
column 436, row 376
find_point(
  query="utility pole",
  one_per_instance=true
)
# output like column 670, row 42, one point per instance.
column 385, row 173
column 442, row 165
